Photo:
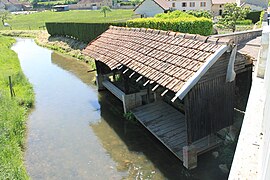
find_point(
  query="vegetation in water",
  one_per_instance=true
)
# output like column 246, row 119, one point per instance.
column 36, row 21
column 227, row 150
column 130, row 117
column 13, row 112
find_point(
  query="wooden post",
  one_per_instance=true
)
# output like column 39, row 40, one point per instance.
column 10, row 86
column 190, row 157
column 126, row 86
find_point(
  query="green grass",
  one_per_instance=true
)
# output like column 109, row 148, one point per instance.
column 36, row 20
column 13, row 113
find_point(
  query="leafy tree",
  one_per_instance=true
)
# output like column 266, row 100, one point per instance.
column 135, row 2
column 201, row 13
column 4, row 15
column 105, row 10
column 231, row 14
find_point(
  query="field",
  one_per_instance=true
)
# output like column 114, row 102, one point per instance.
column 37, row 20
column 13, row 112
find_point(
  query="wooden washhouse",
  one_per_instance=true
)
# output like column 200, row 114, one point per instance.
column 181, row 87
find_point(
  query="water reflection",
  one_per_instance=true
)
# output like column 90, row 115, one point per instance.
column 77, row 133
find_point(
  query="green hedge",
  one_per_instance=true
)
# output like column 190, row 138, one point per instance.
column 85, row 32
column 192, row 25
column 254, row 16
column 244, row 22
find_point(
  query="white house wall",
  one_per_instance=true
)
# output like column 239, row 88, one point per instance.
column 179, row 5
column 149, row 8
column 2, row 7
column 216, row 8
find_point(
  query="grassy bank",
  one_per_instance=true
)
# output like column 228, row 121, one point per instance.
column 37, row 20
column 13, row 112
column 64, row 45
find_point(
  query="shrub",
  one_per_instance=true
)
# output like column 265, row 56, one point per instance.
column 85, row 32
column 261, row 17
column 192, row 25
column 173, row 15
column 244, row 22
column 201, row 13
column 126, row 3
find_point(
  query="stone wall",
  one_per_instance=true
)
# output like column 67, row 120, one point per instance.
column 265, row 158
column 239, row 37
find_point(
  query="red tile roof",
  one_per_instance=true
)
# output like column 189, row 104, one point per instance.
column 170, row 59
column 161, row 3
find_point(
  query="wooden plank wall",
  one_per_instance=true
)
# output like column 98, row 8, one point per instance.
column 209, row 108
column 209, row 105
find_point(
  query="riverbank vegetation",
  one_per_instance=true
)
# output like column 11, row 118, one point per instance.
column 64, row 45
column 13, row 112
column 36, row 21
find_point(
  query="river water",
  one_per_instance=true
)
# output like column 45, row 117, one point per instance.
column 75, row 132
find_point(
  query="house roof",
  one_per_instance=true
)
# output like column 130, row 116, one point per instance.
column 89, row 1
column 172, row 60
column 223, row 1
column 60, row 6
column 161, row 3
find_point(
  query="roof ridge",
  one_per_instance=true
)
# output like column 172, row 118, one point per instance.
column 196, row 37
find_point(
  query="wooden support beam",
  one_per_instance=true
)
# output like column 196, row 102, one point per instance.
column 164, row 92
column 146, row 82
column 139, row 78
column 155, row 87
column 125, row 71
column 131, row 74
column 120, row 67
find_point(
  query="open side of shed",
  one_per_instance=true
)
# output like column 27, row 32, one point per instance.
column 179, row 86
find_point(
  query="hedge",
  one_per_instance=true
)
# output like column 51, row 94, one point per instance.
column 254, row 16
column 192, row 25
column 173, row 15
column 85, row 32
column 244, row 22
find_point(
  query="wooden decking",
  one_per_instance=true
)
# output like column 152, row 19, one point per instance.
column 169, row 126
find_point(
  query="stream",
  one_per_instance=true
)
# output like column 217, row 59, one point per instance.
column 76, row 132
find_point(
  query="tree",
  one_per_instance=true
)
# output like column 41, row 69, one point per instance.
column 4, row 15
column 231, row 14
column 105, row 9
column 201, row 13
column 135, row 2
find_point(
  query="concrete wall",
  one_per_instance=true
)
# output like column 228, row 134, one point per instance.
column 149, row 9
column 239, row 37
column 265, row 158
column 252, row 155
